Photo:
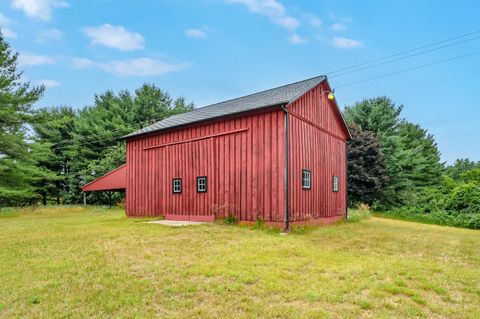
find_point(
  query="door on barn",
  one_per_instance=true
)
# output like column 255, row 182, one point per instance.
column 227, row 175
column 202, row 177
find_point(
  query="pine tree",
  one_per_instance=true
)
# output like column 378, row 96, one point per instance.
column 96, row 143
column 18, row 169
column 411, row 155
column 53, row 127
column 425, row 166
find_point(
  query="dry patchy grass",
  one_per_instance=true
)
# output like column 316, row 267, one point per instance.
column 80, row 262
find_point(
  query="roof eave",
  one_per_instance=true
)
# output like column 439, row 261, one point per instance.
column 211, row 119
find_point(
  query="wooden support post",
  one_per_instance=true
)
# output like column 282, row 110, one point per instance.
column 84, row 199
column 109, row 194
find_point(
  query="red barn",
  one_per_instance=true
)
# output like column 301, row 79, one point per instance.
column 277, row 155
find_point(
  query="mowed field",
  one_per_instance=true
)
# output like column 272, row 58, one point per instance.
column 76, row 262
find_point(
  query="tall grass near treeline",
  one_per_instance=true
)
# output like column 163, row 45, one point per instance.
column 450, row 204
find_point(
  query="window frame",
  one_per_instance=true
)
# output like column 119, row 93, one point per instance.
column 174, row 191
column 335, row 183
column 309, row 186
column 198, row 181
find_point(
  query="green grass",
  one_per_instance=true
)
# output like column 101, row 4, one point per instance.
column 76, row 262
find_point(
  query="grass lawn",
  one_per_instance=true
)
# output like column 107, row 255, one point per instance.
column 80, row 262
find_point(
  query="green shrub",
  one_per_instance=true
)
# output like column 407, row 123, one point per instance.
column 259, row 223
column 464, row 199
column 471, row 176
column 449, row 204
column 469, row 221
column 231, row 220
column 448, row 184
column 357, row 214
column 441, row 217
column 428, row 199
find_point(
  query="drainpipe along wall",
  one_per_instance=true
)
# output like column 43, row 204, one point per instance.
column 287, row 170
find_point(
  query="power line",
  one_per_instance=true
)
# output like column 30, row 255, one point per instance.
column 409, row 69
column 88, row 142
column 404, row 52
column 94, row 148
column 340, row 86
column 405, row 57
column 135, row 126
column 84, row 138
column 412, row 86
column 399, row 55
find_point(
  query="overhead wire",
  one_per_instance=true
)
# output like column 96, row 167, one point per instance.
column 404, row 52
column 408, row 87
column 405, row 57
column 356, row 69
column 409, row 69
column 135, row 126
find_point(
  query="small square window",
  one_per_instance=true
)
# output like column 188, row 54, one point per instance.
column 177, row 185
column 202, row 184
column 335, row 183
column 306, row 179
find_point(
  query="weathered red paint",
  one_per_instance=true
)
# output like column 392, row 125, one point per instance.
column 317, row 143
column 242, row 157
column 244, row 160
column 113, row 180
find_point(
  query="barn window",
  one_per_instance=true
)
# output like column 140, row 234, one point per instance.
column 335, row 183
column 306, row 179
column 177, row 185
column 202, row 184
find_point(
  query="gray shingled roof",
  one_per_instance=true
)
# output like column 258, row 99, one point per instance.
column 280, row 95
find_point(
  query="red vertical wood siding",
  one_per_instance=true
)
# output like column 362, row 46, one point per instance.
column 317, row 143
column 244, row 169
column 244, row 161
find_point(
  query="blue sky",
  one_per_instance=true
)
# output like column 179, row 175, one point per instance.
column 212, row 50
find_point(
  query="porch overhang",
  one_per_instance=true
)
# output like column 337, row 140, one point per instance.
column 115, row 180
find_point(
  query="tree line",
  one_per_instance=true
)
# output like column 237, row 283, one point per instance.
column 48, row 154
column 394, row 166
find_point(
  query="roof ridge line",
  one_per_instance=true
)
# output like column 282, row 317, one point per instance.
column 243, row 96
column 281, row 94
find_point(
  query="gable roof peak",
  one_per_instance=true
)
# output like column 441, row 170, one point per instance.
column 276, row 96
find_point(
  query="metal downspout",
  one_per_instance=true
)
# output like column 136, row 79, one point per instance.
column 346, row 179
column 287, row 170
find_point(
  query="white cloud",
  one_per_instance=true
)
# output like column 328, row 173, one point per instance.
column 4, row 21
column 272, row 9
column 345, row 43
column 131, row 67
column 28, row 59
column 82, row 63
column 315, row 21
column 48, row 83
column 296, row 39
column 338, row 27
column 41, row 9
column 196, row 33
column 49, row 35
column 140, row 67
column 8, row 33
column 116, row 37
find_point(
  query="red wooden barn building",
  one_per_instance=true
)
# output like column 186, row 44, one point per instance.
column 277, row 155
